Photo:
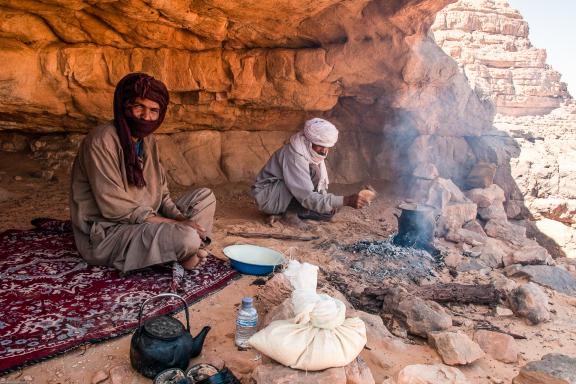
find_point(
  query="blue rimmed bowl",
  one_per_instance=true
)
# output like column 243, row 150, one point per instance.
column 252, row 259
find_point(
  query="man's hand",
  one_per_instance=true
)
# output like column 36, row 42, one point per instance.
column 180, row 219
column 356, row 201
column 201, row 231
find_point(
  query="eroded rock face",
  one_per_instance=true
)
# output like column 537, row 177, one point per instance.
column 489, row 39
column 243, row 76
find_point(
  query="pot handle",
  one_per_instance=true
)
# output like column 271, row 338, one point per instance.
column 164, row 295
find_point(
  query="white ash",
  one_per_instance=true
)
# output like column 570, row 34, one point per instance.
column 379, row 259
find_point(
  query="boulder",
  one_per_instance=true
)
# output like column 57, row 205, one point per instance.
column 438, row 196
column 283, row 311
column 548, row 276
column 503, row 312
column 529, row 254
column 553, row 368
column 274, row 302
column 430, row 374
column 376, row 331
column 500, row 346
column 423, row 316
column 493, row 211
column 453, row 259
column 356, row 372
column 493, row 253
column 531, row 302
column 503, row 230
column 474, row 226
column 504, row 284
column 273, row 373
column 462, row 235
column 455, row 215
column 481, row 175
column 455, row 348
column 484, row 197
column 456, row 195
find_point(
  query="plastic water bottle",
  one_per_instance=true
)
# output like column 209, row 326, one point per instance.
column 246, row 323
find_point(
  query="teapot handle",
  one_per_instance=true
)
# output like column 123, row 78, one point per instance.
column 164, row 295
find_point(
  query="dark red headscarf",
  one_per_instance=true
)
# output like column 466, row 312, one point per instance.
column 129, row 88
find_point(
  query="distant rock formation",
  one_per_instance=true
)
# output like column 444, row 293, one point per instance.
column 489, row 40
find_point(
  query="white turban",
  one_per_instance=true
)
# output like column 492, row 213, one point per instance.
column 321, row 132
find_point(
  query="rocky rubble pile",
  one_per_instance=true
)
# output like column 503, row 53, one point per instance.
column 477, row 220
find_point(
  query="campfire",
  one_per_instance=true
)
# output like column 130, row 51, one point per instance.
column 377, row 260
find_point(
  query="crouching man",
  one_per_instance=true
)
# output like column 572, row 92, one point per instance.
column 294, row 182
column 120, row 206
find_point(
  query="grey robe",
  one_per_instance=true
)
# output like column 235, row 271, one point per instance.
column 286, row 176
column 108, row 214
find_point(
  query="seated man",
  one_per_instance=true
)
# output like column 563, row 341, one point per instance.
column 294, row 181
column 121, row 210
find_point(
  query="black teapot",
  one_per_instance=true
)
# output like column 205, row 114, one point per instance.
column 162, row 342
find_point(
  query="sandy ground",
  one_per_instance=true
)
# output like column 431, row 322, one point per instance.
column 35, row 197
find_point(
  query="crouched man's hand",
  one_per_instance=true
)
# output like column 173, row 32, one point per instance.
column 356, row 201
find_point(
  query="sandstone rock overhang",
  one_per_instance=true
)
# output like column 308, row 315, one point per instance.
column 251, row 72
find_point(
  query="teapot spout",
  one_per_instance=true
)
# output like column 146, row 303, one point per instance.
column 198, row 341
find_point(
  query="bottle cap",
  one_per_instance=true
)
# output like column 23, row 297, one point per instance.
column 247, row 301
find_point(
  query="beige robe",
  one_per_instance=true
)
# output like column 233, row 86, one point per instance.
column 286, row 176
column 108, row 214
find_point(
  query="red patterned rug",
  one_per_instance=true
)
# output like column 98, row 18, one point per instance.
column 51, row 301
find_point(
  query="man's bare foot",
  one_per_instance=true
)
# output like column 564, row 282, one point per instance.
column 196, row 260
column 291, row 219
column 273, row 219
column 203, row 254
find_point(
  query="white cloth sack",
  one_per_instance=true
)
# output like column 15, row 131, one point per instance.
column 319, row 336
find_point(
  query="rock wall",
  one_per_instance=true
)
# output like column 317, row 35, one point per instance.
column 489, row 40
column 244, row 76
